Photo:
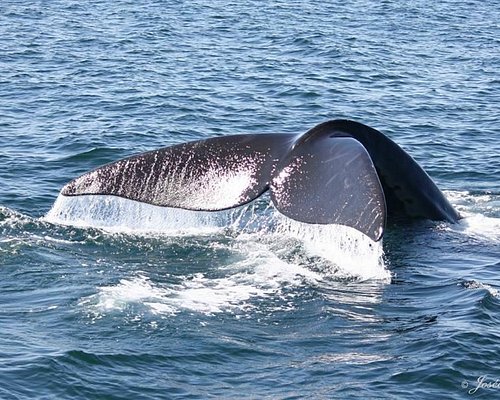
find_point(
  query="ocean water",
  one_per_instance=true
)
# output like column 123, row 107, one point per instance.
column 110, row 299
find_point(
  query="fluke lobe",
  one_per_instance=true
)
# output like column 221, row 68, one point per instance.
column 339, row 172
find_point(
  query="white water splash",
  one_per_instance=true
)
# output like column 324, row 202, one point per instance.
column 353, row 252
column 139, row 290
column 263, row 241
column 116, row 214
column 242, row 286
column 479, row 226
column 259, row 275
column 479, row 215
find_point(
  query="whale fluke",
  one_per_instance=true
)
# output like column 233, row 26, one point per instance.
column 205, row 175
column 408, row 189
column 339, row 172
column 330, row 181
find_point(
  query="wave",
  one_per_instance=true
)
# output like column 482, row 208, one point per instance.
column 474, row 284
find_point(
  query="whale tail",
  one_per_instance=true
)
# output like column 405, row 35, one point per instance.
column 336, row 173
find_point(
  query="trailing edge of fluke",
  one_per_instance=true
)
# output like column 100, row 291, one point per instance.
column 339, row 172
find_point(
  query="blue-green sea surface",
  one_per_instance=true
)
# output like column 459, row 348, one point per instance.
column 104, row 298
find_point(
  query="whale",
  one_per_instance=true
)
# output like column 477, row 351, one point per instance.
column 339, row 172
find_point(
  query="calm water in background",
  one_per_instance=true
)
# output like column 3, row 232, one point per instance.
column 195, row 310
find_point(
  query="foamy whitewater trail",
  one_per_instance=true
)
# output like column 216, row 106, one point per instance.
column 271, row 255
column 354, row 254
column 480, row 215
column 259, row 275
